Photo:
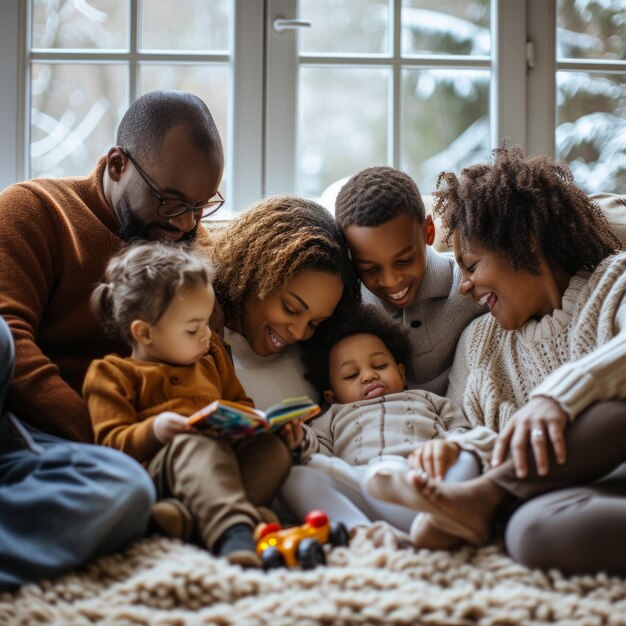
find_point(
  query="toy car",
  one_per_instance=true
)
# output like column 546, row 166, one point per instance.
column 301, row 545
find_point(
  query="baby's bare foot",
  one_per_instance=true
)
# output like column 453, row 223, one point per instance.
column 459, row 507
column 424, row 534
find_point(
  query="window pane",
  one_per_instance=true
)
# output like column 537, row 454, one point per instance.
column 345, row 26
column 588, row 29
column 445, row 122
column 453, row 27
column 342, row 124
column 591, row 132
column 97, row 24
column 75, row 112
column 209, row 82
column 185, row 25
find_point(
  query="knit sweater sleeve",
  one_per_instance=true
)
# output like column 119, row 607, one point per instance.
column 598, row 376
column 450, row 416
column 318, row 436
column 111, row 398
column 454, row 426
column 27, row 264
column 479, row 440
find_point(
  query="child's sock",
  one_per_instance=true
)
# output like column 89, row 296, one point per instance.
column 237, row 546
column 172, row 518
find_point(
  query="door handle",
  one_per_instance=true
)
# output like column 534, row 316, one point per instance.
column 280, row 24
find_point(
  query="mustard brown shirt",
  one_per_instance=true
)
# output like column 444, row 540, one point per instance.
column 124, row 395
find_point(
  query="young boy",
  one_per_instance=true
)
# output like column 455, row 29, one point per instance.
column 382, row 216
column 357, row 363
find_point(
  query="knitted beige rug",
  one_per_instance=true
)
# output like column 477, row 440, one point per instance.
column 163, row 582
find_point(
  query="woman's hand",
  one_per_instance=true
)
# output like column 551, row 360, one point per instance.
column 168, row 424
column 540, row 420
column 292, row 434
column 434, row 457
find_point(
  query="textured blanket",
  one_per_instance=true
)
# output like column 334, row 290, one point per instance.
column 161, row 581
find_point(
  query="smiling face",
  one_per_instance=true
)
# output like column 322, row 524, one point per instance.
column 391, row 257
column 361, row 367
column 182, row 335
column 513, row 297
column 179, row 172
column 292, row 314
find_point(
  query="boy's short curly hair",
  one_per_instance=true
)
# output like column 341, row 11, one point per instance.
column 525, row 208
column 351, row 319
column 273, row 241
column 376, row 195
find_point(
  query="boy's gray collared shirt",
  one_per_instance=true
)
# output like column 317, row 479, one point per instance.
column 434, row 321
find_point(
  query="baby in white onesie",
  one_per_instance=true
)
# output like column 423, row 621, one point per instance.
column 356, row 360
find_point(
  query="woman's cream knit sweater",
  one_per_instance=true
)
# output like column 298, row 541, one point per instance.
column 576, row 355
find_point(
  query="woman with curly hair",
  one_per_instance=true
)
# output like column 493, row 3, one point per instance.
column 281, row 269
column 546, row 369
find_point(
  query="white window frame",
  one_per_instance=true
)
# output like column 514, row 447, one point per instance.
column 508, row 83
column 243, row 157
column 13, row 80
column 262, row 121
column 523, row 105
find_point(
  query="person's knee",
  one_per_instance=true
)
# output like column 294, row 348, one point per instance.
column 185, row 446
column 137, row 485
column 611, row 411
column 95, row 500
column 276, row 450
column 531, row 540
column 126, row 491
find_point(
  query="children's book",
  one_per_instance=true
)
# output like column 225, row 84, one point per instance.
column 233, row 420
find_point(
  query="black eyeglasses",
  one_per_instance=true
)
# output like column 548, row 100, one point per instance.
column 173, row 208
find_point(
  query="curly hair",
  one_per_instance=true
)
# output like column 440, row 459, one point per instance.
column 141, row 281
column 273, row 241
column 375, row 196
column 525, row 209
column 351, row 319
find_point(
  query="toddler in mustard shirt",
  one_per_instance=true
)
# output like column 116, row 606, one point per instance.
column 159, row 298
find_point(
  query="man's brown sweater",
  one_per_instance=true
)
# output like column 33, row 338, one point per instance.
column 57, row 237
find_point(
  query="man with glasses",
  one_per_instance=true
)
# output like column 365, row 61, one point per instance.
column 62, row 501
column 172, row 208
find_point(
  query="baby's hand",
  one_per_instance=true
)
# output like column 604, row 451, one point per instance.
column 292, row 434
column 168, row 424
column 434, row 457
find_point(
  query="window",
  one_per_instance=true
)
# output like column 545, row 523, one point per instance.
column 88, row 60
column 417, row 84
column 400, row 83
column 591, row 92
